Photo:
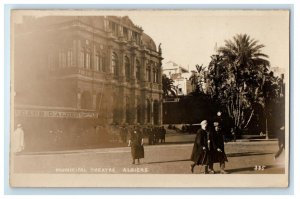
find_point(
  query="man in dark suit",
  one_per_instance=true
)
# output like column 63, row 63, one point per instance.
column 203, row 149
column 218, row 145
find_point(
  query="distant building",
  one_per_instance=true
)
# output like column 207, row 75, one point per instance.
column 278, row 71
column 180, row 76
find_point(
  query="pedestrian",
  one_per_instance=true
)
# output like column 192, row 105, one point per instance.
column 202, row 149
column 18, row 143
column 136, row 143
column 219, row 118
column 156, row 135
column 124, row 132
column 224, row 124
column 281, row 141
column 163, row 134
column 151, row 135
column 219, row 155
column 233, row 134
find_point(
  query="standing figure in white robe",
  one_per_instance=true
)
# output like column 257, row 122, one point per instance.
column 18, row 143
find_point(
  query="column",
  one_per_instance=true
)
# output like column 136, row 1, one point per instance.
column 143, row 69
column 160, row 119
column 151, row 111
column 143, row 107
column 121, row 66
column 75, row 53
column 94, row 97
column 122, row 105
column 145, row 111
column 78, row 54
column 109, row 103
column 107, row 66
column 78, row 100
column 133, row 67
column 133, row 108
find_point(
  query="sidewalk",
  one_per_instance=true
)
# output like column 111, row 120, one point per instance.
column 170, row 141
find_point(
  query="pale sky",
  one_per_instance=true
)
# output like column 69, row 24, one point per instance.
column 189, row 37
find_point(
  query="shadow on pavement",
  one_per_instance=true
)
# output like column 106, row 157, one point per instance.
column 168, row 161
column 246, row 154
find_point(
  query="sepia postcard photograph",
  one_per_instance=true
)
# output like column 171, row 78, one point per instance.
column 149, row 98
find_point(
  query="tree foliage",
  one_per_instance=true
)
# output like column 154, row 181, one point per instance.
column 168, row 87
column 238, row 78
column 198, row 79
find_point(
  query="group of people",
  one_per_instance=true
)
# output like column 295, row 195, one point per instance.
column 155, row 134
column 209, row 148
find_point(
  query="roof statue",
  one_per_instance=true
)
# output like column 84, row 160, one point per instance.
column 159, row 48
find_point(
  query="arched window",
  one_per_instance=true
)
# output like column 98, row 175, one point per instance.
column 70, row 58
column 127, row 68
column 127, row 103
column 82, row 58
column 156, row 112
column 148, row 111
column 114, row 64
column 154, row 75
column 148, row 73
column 139, row 110
column 97, row 62
column 87, row 61
column 138, row 70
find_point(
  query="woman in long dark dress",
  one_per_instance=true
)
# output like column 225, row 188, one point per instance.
column 136, row 143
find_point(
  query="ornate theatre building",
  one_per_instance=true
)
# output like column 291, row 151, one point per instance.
column 74, row 72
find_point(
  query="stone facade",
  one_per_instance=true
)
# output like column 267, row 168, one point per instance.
column 97, row 64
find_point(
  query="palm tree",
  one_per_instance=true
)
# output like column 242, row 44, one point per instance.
column 168, row 87
column 237, row 74
column 197, row 79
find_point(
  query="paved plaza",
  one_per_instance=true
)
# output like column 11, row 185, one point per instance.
column 244, row 157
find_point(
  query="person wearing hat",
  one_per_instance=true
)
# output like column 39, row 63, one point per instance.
column 18, row 143
column 203, row 149
column 219, row 155
column 124, row 132
column 136, row 143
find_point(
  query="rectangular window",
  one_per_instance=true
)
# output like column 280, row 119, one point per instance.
column 125, row 33
column 87, row 61
column 98, row 62
column 148, row 74
column 154, row 76
column 102, row 63
column 81, row 59
column 70, row 58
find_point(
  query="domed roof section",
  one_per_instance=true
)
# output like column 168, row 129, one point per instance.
column 148, row 42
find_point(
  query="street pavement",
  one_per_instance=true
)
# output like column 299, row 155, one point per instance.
column 173, row 157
